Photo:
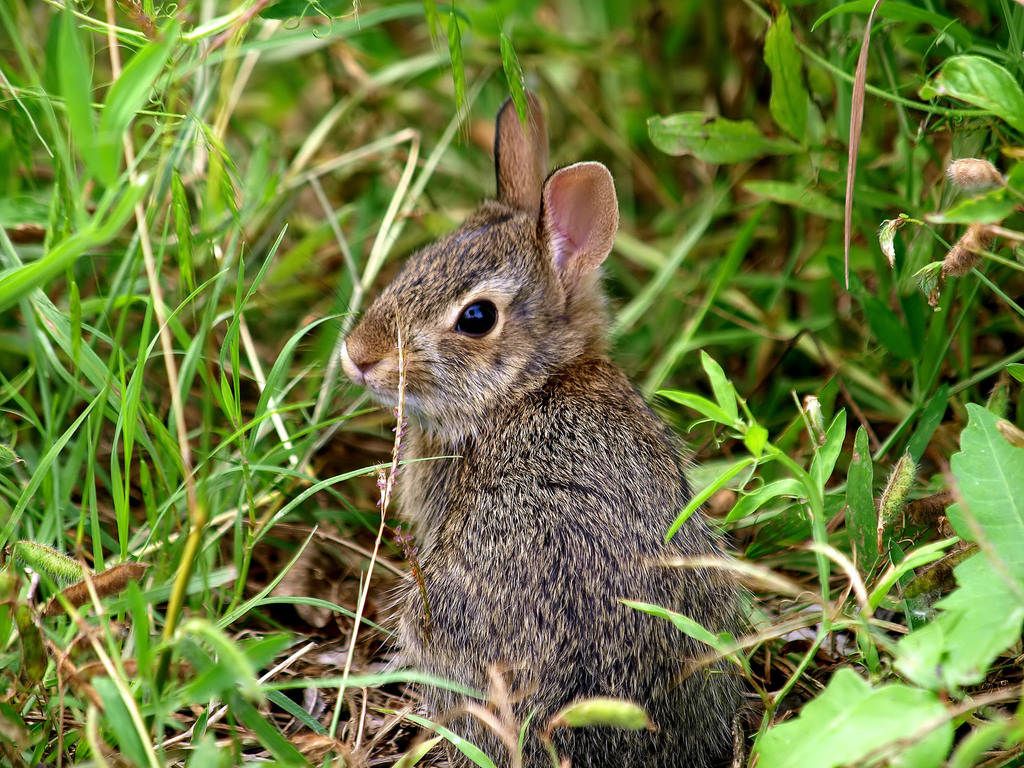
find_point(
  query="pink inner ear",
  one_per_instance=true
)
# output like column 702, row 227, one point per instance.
column 580, row 216
column 570, row 218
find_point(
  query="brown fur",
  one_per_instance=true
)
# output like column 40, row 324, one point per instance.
column 563, row 485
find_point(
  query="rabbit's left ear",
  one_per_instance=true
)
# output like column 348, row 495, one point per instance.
column 579, row 218
column 521, row 157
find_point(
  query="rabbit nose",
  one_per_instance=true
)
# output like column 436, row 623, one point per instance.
column 357, row 361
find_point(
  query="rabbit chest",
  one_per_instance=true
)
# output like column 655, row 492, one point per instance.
column 531, row 533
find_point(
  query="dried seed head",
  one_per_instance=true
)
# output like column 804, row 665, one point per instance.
column 967, row 251
column 887, row 238
column 1013, row 434
column 974, row 175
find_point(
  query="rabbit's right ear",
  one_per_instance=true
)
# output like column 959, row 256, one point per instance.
column 579, row 220
column 521, row 157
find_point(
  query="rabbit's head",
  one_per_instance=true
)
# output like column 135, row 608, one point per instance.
column 487, row 314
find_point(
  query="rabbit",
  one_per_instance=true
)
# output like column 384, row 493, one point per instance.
column 548, row 483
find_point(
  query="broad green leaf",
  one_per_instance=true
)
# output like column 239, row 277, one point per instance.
column 982, row 83
column 990, row 208
column 714, row 139
column 725, row 394
column 797, row 195
column 130, row 93
column 850, row 720
column 1016, row 370
column 861, row 517
column 973, row 749
column 977, row 622
column 990, row 475
column 751, row 502
column 983, row 616
column 789, row 98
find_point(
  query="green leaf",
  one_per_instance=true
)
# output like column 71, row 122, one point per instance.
column 183, row 228
column 514, row 75
column 75, row 78
column 982, row 83
column 797, row 195
column 725, row 394
column 990, row 208
column 433, row 18
column 119, row 721
column 755, row 439
column 8, row 458
column 850, row 720
column 714, row 139
column 130, row 93
column 789, row 98
column 824, row 461
column 751, row 502
column 700, row 404
column 887, row 327
column 1016, row 370
column 706, row 493
column 861, row 517
column 978, row 621
column 17, row 282
column 470, row 750
column 602, row 711
column 990, row 474
column 683, row 623
column 458, row 67
column 296, row 9
column 894, row 11
column 931, row 417
column 417, row 753
column 972, row 749
column 984, row 615
column 265, row 731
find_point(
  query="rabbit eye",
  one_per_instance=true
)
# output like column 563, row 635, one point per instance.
column 478, row 319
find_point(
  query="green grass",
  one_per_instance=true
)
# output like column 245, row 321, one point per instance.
column 189, row 227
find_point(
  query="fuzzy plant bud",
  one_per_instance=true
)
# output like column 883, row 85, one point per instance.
column 974, row 175
column 891, row 504
column 967, row 251
column 812, row 407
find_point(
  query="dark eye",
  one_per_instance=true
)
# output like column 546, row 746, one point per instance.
column 478, row 319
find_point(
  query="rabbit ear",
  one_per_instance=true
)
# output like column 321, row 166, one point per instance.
column 579, row 219
column 521, row 157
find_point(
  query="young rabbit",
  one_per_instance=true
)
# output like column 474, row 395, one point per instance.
column 556, row 483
